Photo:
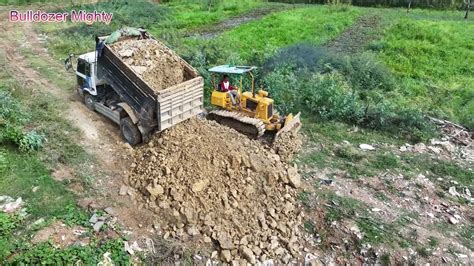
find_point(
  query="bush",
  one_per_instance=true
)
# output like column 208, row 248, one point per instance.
column 31, row 141
column 332, row 95
column 363, row 72
column 12, row 122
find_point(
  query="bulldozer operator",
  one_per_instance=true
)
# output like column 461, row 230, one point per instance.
column 225, row 86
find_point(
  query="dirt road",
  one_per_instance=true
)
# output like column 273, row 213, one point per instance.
column 98, row 136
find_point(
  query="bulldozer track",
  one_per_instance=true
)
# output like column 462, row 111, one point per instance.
column 249, row 126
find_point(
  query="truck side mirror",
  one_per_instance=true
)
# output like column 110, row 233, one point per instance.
column 68, row 62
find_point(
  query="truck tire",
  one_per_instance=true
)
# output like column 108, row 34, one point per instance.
column 130, row 131
column 89, row 101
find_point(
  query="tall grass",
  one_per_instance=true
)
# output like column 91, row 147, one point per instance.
column 189, row 15
column 434, row 61
column 255, row 40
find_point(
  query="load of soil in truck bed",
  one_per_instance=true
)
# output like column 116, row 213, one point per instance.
column 213, row 185
column 151, row 61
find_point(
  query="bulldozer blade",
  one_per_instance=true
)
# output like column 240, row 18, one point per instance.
column 293, row 125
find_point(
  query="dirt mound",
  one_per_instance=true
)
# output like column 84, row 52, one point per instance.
column 152, row 61
column 287, row 145
column 210, row 184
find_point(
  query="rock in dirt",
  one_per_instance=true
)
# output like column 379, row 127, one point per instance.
column 453, row 220
column 294, row 177
column 199, row 185
column 93, row 219
column 155, row 190
column 97, row 226
column 366, row 147
column 247, row 254
column 453, row 192
column 10, row 205
column 123, row 190
column 152, row 61
column 110, row 211
column 226, row 256
column 207, row 181
column 287, row 145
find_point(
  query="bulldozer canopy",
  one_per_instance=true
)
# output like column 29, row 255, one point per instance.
column 228, row 69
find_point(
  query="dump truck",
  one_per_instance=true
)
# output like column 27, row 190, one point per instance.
column 113, row 88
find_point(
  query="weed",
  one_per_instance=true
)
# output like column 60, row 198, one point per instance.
column 342, row 207
column 334, row 97
column 423, row 251
column 433, row 241
column 257, row 39
column 7, row 223
column 304, row 197
column 31, row 141
column 381, row 196
column 310, row 227
column 385, row 259
column 404, row 243
column 75, row 216
column 375, row 231
column 46, row 253
column 349, row 153
column 385, row 161
column 466, row 235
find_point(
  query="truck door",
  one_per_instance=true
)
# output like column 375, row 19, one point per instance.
column 84, row 76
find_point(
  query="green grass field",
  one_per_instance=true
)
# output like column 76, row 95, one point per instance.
column 432, row 53
column 260, row 39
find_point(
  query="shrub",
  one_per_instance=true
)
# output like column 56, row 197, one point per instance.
column 31, row 141
column 12, row 122
column 351, row 90
column 363, row 72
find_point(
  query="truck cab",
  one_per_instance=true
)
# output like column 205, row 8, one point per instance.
column 86, row 73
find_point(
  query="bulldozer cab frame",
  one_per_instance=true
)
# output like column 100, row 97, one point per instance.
column 233, row 70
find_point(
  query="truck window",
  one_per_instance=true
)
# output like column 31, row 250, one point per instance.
column 84, row 67
column 81, row 66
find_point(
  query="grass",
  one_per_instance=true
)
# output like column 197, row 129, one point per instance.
column 338, row 148
column 34, row 109
column 431, row 54
column 374, row 230
column 25, row 171
column 192, row 15
column 258, row 39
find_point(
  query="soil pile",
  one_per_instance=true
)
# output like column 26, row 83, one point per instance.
column 287, row 145
column 152, row 61
column 210, row 184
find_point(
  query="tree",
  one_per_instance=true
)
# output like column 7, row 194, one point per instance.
column 469, row 5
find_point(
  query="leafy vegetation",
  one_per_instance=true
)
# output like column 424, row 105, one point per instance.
column 348, row 89
column 46, row 253
column 13, row 124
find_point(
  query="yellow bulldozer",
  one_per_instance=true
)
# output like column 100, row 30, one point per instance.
column 249, row 112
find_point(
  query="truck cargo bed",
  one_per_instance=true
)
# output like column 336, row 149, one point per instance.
column 154, row 109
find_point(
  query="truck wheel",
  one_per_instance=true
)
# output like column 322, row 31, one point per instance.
column 130, row 131
column 89, row 101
